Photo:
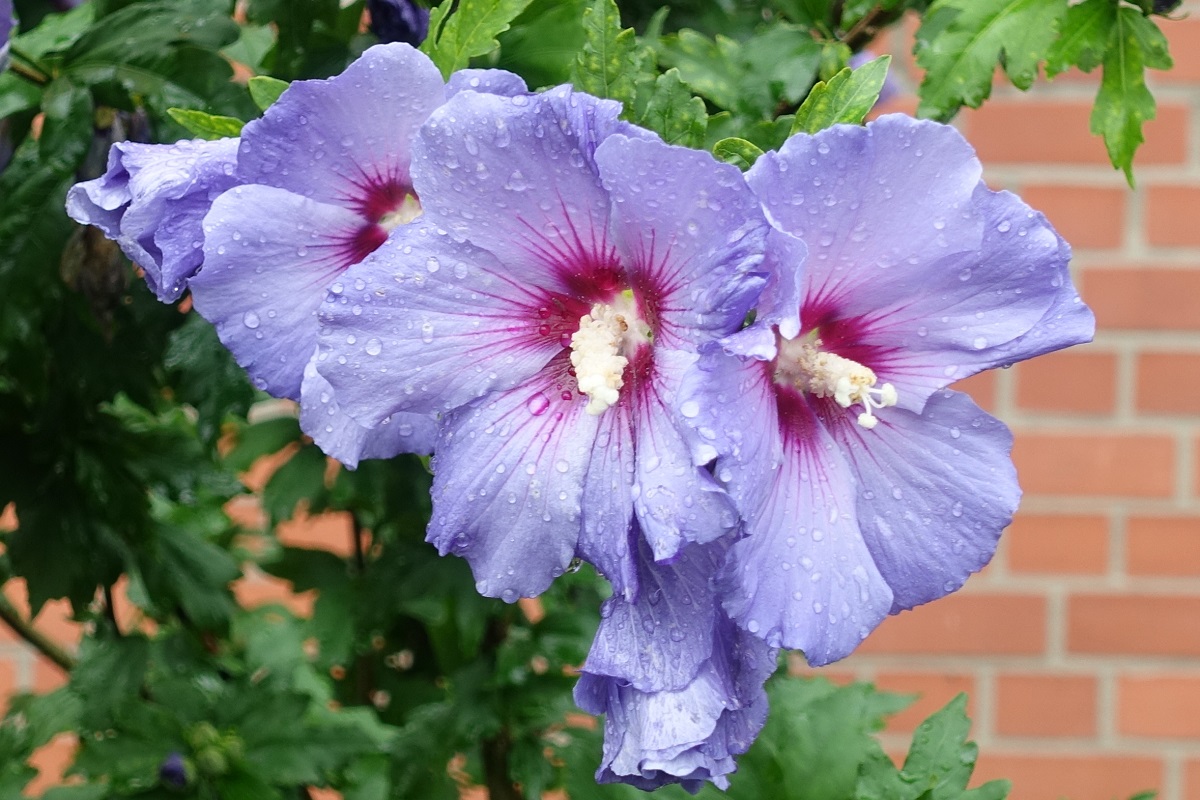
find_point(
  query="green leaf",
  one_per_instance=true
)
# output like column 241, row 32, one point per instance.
column 455, row 38
column 846, row 98
column 994, row 790
column 1084, row 39
column 206, row 126
column 1123, row 103
column 109, row 675
column 961, row 42
column 611, row 61
column 265, row 90
column 67, row 133
column 738, row 152
column 17, row 94
column 261, row 439
column 301, row 478
column 56, row 32
column 674, row 113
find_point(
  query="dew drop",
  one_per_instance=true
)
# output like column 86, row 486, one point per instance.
column 250, row 320
column 374, row 347
column 537, row 404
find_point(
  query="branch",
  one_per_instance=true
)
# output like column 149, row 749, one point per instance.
column 110, row 610
column 24, row 628
column 30, row 70
column 871, row 25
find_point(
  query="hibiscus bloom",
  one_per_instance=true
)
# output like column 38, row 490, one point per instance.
column 680, row 685
column 868, row 487
column 565, row 270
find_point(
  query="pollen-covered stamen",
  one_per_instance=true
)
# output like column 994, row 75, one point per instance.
column 803, row 364
column 599, row 350
column 408, row 210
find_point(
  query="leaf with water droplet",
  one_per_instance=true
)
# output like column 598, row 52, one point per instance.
column 844, row 98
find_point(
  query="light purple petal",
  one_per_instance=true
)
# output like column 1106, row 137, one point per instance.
column 489, row 81
column 342, row 139
column 803, row 578
column 516, row 176
column 690, row 233
column 342, row 438
column 152, row 201
column 269, row 256
column 934, row 492
column 784, row 292
column 508, row 480
column 606, row 539
column 427, row 324
column 8, row 21
column 680, row 685
column 675, row 500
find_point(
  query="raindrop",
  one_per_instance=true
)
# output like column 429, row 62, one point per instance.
column 537, row 404
column 690, row 409
column 374, row 347
column 250, row 320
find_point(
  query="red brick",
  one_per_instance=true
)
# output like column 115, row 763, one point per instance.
column 982, row 388
column 1083, row 381
column 1171, row 215
column 1161, row 625
column 1046, row 132
column 1057, row 543
column 934, row 690
column 51, row 762
column 965, row 624
column 1163, row 546
column 1184, row 38
column 1192, row 779
column 331, row 531
column 1086, row 216
column 1109, row 465
column 1046, row 705
column 1159, row 705
column 1168, row 383
column 1101, row 776
column 47, row 676
column 1150, row 299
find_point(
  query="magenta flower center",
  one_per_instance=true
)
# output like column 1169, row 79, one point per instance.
column 803, row 365
column 385, row 205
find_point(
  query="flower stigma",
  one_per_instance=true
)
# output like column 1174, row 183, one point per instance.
column 804, row 365
column 607, row 335
column 408, row 210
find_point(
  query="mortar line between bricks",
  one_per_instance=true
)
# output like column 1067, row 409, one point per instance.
column 1172, row 785
column 1056, row 624
column 1061, row 747
column 1106, row 705
column 1184, row 467
column 985, row 704
column 1146, row 585
column 1162, row 258
column 1118, row 535
column 1126, row 382
column 1080, row 664
column 1135, row 217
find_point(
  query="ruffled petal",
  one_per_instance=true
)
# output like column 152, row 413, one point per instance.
column 803, row 578
column 426, row 324
column 489, row 81
column 516, row 176
column 152, row 201
column 783, row 295
column 269, row 256
column 508, row 479
column 317, row 141
column 675, row 500
column 680, row 685
column 690, row 233
column 342, row 438
column 935, row 491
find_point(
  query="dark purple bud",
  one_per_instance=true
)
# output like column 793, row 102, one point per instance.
column 398, row 21
column 1165, row 6
column 8, row 21
column 174, row 772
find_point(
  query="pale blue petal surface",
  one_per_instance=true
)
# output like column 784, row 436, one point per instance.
column 265, row 276
column 342, row 438
column 489, row 81
column 508, row 479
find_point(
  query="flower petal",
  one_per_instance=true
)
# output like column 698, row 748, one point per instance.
column 680, row 685
column 491, row 81
column 508, row 479
column 342, row 438
column 935, row 491
column 269, row 256
column 606, row 538
column 317, row 141
column 426, row 324
column 803, row 578
column 675, row 500
column 152, row 201
column 690, row 233
column 516, row 176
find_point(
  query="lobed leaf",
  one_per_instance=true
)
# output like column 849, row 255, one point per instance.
column 738, row 152
column 846, row 98
column 206, row 126
column 471, row 30
column 611, row 62
column 1085, row 37
column 674, row 113
column 961, row 42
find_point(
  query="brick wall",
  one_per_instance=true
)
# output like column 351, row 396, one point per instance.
column 1080, row 643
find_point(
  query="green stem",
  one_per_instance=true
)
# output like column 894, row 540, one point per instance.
column 871, row 25
column 30, row 70
column 24, row 628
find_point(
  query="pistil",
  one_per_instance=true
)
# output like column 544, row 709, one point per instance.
column 804, row 365
column 607, row 335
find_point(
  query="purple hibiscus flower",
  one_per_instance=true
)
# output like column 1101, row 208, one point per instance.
column 399, row 21
column 567, row 267
column 868, row 487
column 152, row 200
column 680, row 685
column 8, row 21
